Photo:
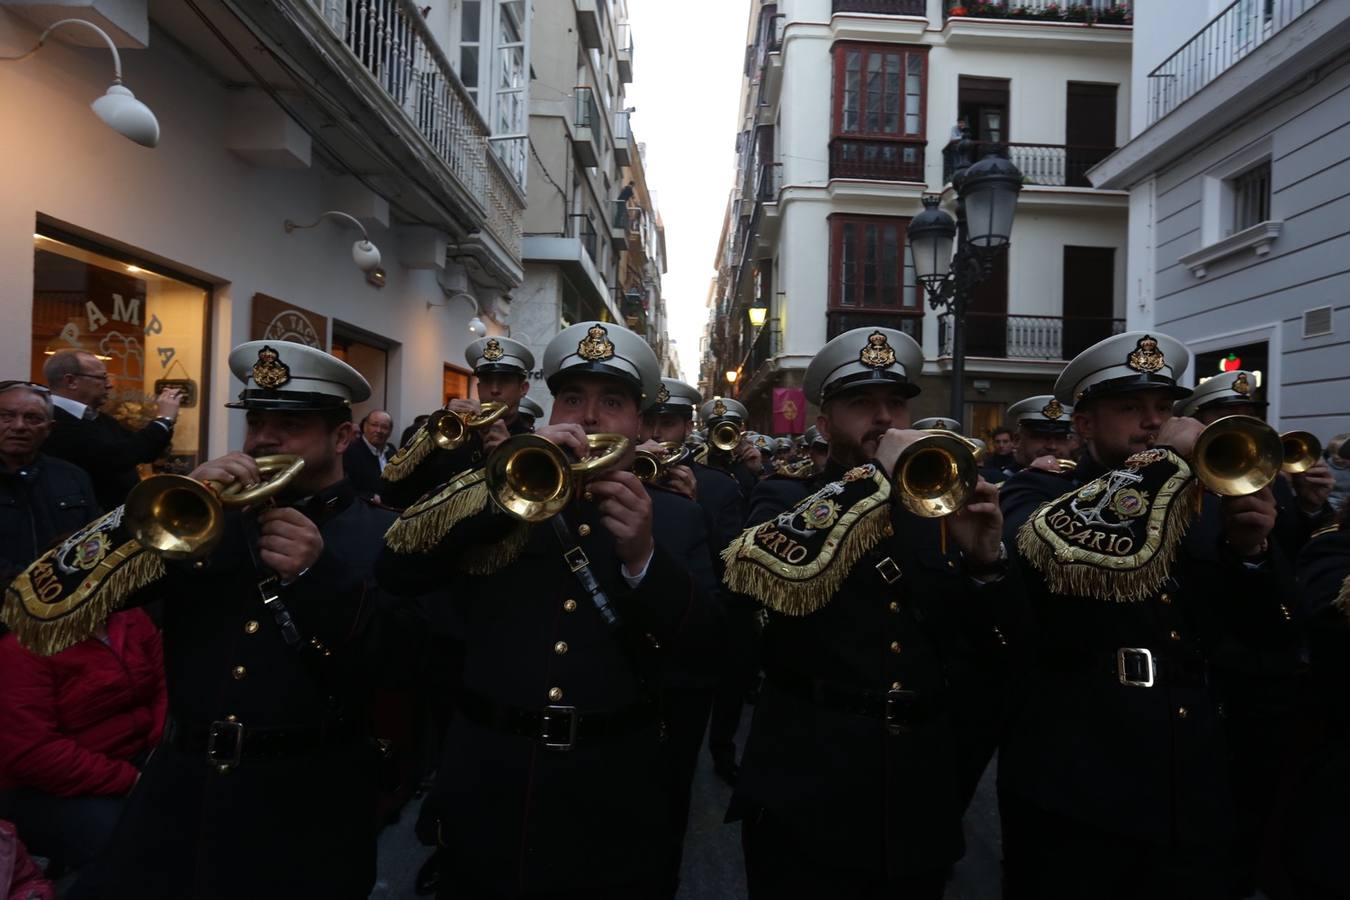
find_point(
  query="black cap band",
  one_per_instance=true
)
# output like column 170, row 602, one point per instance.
column 294, row 401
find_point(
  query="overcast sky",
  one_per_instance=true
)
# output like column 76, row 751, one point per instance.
column 687, row 62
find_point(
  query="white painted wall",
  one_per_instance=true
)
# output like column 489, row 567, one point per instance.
column 1160, row 28
column 196, row 207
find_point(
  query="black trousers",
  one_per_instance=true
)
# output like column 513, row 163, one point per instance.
column 452, row 889
column 776, row 868
column 69, row 831
column 685, row 711
column 1047, row 856
column 738, row 674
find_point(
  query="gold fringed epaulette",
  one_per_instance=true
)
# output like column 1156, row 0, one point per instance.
column 1115, row 538
column 422, row 525
column 63, row 596
column 407, row 459
column 1342, row 600
column 486, row 559
column 794, row 564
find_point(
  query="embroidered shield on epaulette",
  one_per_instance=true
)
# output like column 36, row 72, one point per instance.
column 63, row 596
column 795, row 563
column 1114, row 538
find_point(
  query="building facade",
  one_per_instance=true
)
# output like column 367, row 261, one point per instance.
column 848, row 112
column 1236, row 170
column 408, row 118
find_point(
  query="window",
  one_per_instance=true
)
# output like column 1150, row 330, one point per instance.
column 470, row 36
column 879, row 106
column 1251, row 197
column 148, row 327
column 871, row 274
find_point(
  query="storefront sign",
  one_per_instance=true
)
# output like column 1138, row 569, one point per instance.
column 277, row 320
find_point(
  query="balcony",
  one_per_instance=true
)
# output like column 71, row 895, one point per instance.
column 1100, row 12
column 1054, row 165
column 1006, row 336
column 588, row 24
column 584, row 123
column 618, row 224
column 766, row 219
column 883, row 7
column 580, row 226
column 623, row 51
column 769, row 63
column 877, row 160
column 1231, row 35
column 622, row 139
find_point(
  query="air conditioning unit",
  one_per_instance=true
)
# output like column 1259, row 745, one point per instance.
column 1317, row 322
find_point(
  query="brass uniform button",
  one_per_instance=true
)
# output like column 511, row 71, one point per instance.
column 1182, row 712
column 894, row 607
column 587, row 496
column 584, row 530
column 1165, row 598
column 555, row 694
column 895, row 646
column 1174, row 635
column 231, row 718
column 560, row 648
column 569, row 605
column 251, row 626
column 897, row 686
column 238, row 672
column 888, row 531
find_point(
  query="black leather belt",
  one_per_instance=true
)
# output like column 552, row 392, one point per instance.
column 227, row 743
column 557, row 727
column 900, row 710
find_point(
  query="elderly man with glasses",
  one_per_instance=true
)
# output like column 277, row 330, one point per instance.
column 98, row 443
column 41, row 498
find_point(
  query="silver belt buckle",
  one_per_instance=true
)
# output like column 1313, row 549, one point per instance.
column 1123, row 671
column 553, row 714
column 231, row 735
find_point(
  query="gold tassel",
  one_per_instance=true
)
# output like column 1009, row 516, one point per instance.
column 405, row 461
column 484, row 560
column 803, row 597
column 50, row 627
column 424, row 524
column 1342, row 600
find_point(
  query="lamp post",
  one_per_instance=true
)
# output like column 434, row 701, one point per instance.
column 986, row 198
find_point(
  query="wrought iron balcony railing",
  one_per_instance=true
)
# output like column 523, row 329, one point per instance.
column 1056, row 165
column 883, row 7
column 579, row 225
column 1010, row 336
column 587, row 113
column 1105, row 12
column 770, row 180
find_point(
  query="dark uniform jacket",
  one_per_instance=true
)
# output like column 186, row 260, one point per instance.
column 515, row 816
column 38, row 504
column 723, row 507
column 860, row 791
column 1145, row 762
column 107, row 450
column 297, row 825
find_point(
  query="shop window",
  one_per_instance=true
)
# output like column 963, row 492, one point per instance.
column 369, row 355
column 879, row 109
column 149, row 327
column 455, row 383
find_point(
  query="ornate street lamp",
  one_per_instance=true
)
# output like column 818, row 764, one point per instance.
column 986, row 199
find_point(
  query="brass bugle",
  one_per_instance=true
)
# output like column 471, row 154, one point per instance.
column 177, row 517
column 1237, row 455
column 1301, row 449
column 937, row 474
column 531, row 478
column 450, row 429
column 725, row 436
column 650, row 466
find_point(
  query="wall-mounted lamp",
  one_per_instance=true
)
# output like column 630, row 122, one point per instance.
column 758, row 315
column 118, row 107
column 364, row 253
column 477, row 327
column 732, row 375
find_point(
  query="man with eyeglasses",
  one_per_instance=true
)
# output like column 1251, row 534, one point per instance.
column 99, row 444
column 41, row 498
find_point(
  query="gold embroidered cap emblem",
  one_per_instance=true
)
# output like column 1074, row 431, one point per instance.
column 596, row 345
column 492, row 350
column 1242, row 385
column 663, row 395
column 878, row 353
column 269, row 372
column 719, row 408
column 1052, row 410
column 1146, row 357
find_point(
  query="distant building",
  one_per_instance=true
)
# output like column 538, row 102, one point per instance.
column 1239, row 215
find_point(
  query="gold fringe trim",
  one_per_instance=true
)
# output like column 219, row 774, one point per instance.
column 424, row 524
column 790, row 597
column 407, row 459
column 1100, row 582
column 1342, row 601
column 485, row 559
column 47, row 627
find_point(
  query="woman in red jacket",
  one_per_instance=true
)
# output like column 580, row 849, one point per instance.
column 77, row 727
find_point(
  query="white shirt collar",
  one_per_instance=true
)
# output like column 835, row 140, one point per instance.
column 74, row 407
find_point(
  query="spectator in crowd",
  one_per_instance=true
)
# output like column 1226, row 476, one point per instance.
column 78, row 725
column 1338, row 458
column 366, row 456
column 41, row 498
column 1001, row 449
column 98, row 443
column 20, row 878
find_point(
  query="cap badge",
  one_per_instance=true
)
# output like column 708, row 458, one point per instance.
column 663, row 395
column 492, row 350
column 878, row 353
column 269, row 372
column 596, row 345
column 719, row 408
column 1146, row 357
column 1052, row 410
column 1242, row 386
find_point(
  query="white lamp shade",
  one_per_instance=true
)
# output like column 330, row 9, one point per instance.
column 366, row 255
column 932, row 255
column 476, row 327
column 989, row 214
column 128, row 116
column 758, row 316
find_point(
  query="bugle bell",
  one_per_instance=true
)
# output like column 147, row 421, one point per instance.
column 649, row 465
column 177, row 517
column 725, row 436
column 1301, row 449
column 1237, row 455
column 531, row 478
column 450, row 429
column 936, row 474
